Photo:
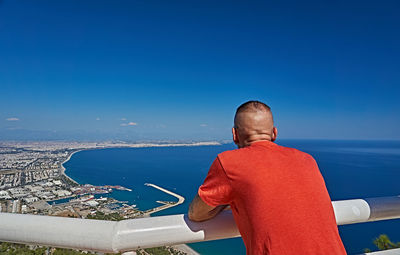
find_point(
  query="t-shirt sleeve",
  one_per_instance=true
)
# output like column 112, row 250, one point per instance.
column 216, row 189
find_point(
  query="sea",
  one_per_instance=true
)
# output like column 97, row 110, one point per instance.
column 352, row 169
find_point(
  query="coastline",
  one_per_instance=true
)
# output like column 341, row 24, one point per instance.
column 180, row 247
column 137, row 145
column 63, row 168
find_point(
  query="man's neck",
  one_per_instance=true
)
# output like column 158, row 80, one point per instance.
column 250, row 141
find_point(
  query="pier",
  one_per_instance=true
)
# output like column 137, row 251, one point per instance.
column 165, row 205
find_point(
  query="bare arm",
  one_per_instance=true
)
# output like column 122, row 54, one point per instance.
column 200, row 211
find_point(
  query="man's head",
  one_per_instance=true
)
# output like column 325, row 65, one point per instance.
column 253, row 122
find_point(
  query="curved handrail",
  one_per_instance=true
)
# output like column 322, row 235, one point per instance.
column 128, row 235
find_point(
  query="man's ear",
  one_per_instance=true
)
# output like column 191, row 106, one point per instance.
column 234, row 136
column 274, row 134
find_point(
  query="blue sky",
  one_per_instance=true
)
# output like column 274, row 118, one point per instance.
column 178, row 69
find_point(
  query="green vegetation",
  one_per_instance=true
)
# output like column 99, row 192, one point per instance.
column 383, row 243
column 60, row 251
column 158, row 251
column 68, row 181
column 22, row 249
column 15, row 249
column 102, row 216
column 162, row 251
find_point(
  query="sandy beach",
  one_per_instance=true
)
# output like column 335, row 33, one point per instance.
column 63, row 168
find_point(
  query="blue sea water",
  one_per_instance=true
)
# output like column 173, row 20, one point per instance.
column 352, row 169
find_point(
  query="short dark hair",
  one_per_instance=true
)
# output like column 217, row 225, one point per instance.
column 253, row 105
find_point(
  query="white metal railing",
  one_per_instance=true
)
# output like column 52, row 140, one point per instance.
column 128, row 235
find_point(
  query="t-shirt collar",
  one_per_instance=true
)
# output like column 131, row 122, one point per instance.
column 263, row 143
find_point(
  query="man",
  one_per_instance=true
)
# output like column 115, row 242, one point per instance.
column 277, row 194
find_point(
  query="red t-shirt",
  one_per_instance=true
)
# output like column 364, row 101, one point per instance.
column 278, row 199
